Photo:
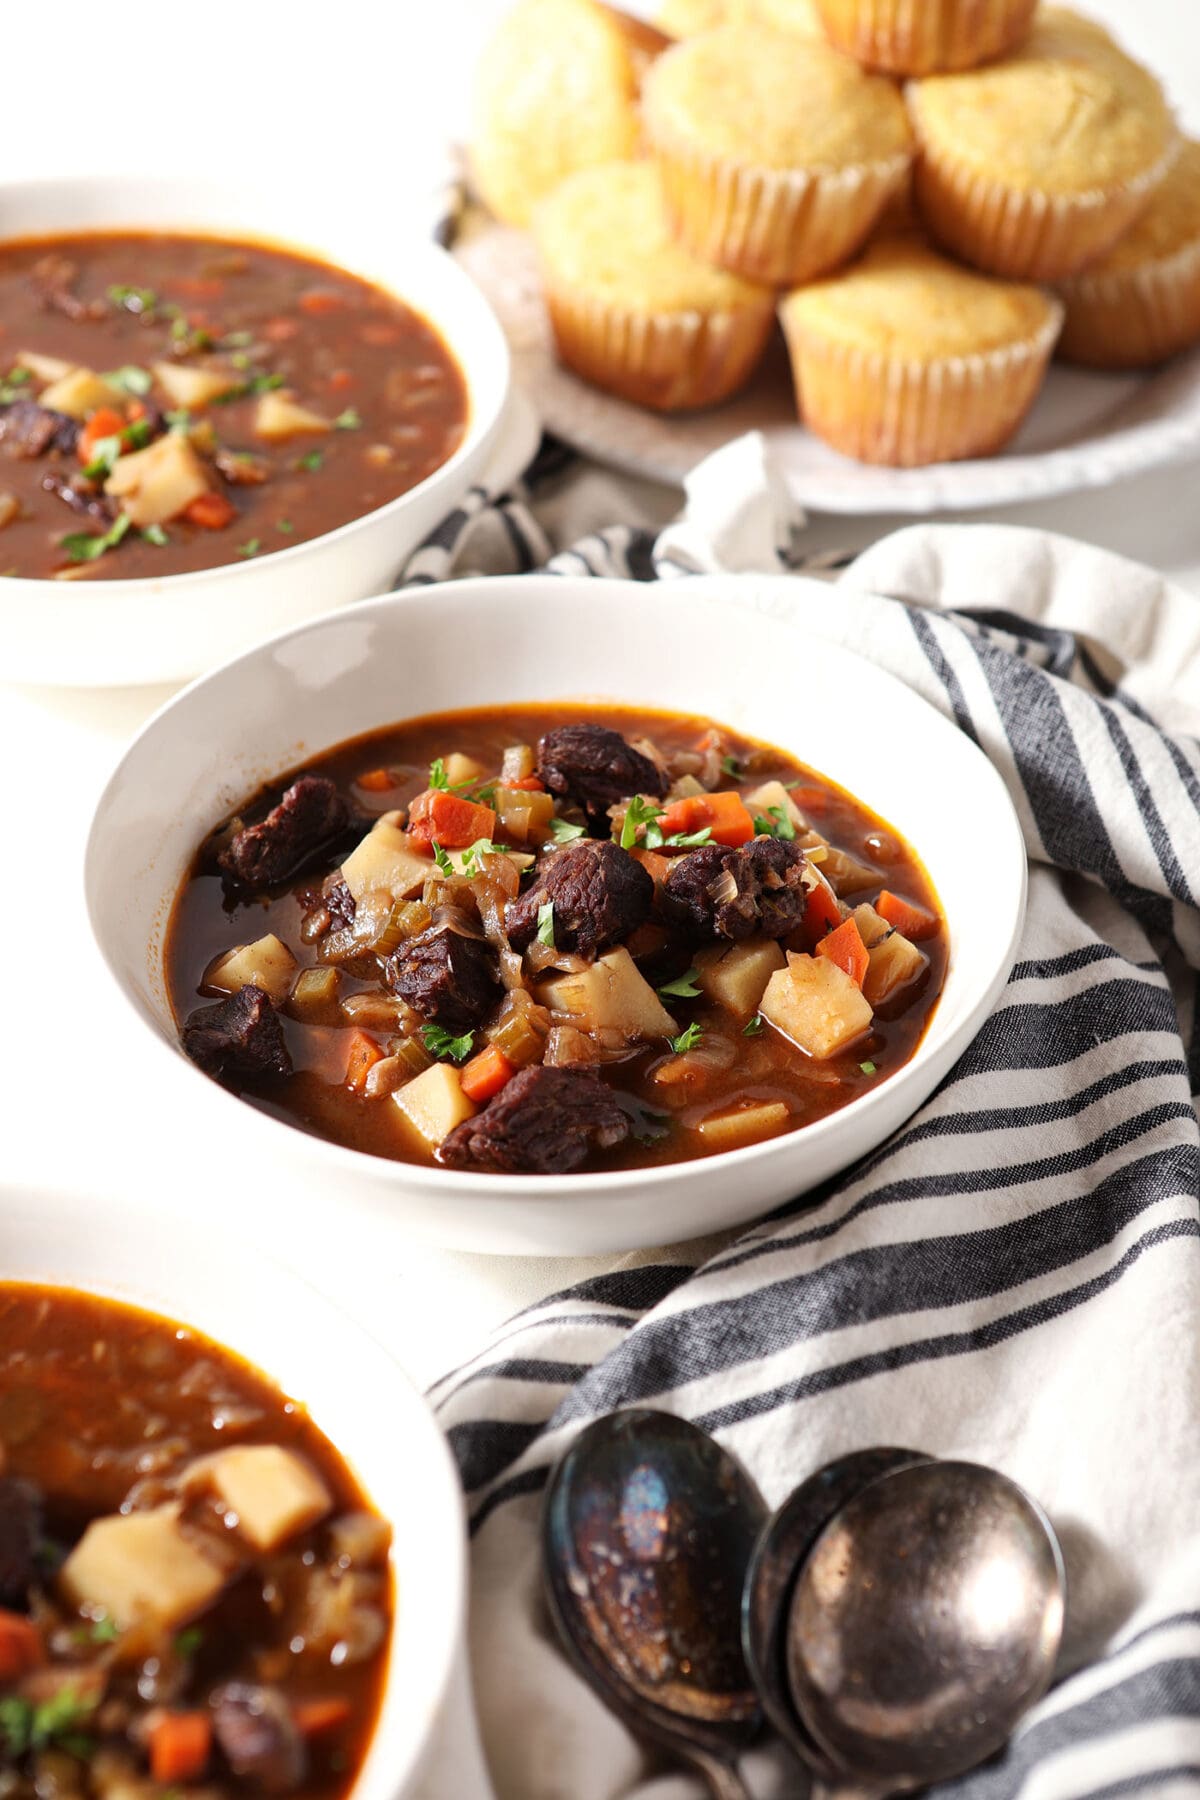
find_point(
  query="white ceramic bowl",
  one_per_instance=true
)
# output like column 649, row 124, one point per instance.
column 168, row 628
column 351, row 1386
column 682, row 645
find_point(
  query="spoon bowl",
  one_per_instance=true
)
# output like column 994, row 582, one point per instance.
column 647, row 1534
column 925, row 1621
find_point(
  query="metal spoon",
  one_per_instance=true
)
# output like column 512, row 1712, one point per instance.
column 779, row 1554
column 926, row 1619
column 646, row 1537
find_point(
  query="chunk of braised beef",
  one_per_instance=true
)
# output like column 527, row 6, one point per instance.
column 239, row 1036
column 599, row 894
column 309, row 816
column 340, row 904
column 258, row 1736
column 28, row 430
column 241, row 468
column 20, row 1534
column 718, row 892
column 596, row 767
column 54, row 278
column 545, row 1121
column 81, row 495
column 448, row 975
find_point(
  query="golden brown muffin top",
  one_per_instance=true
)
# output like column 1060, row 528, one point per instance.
column 1065, row 113
column 1170, row 223
column 774, row 100
column 902, row 299
column 604, row 232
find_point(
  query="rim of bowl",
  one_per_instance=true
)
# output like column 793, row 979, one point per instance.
column 480, row 426
column 441, row 1630
column 1011, row 861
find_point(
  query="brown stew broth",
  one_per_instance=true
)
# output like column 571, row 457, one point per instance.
column 365, row 352
column 767, row 1067
column 95, row 1396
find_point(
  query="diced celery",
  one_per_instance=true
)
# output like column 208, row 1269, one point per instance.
column 516, row 1037
column 314, row 998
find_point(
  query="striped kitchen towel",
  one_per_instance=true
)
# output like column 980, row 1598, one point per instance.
column 1015, row 1276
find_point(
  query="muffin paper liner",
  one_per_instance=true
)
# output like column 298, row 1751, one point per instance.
column 670, row 361
column 1027, row 234
column 780, row 227
column 907, row 413
column 1133, row 318
column 925, row 37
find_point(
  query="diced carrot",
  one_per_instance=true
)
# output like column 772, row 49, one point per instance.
column 486, row 1074
column 364, row 1054
column 527, row 784
column 379, row 334
column 135, row 410
column 317, row 1718
column 724, row 815
column 911, row 921
column 821, row 909
column 340, row 380
column 104, row 422
column 448, row 819
column 212, row 511
column 656, row 866
column 376, row 781
column 278, row 331
column 321, row 300
column 21, row 1647
column 180, row 1744
column 846, row 948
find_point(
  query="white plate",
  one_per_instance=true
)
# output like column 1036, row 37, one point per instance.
column 356, row 1394
column 720, row 647
column 1086, row 430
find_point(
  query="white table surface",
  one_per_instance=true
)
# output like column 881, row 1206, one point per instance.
column 83, row 1102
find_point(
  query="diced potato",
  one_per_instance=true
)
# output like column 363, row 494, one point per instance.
column 140, row 1566
column 892, row 965
column 274, row 1492
column 279, row 415
column 267, row 964
column 80, row 392
column 773, row 793
column 460, row 768
column 524, row 814
column 156, row 484
column 43, row 368
column 872, row 929
column 386, row 859
column 816, row 1005
column 612, row 995
column 734, row 975
column 190, row 387
column 434, row 1103
column 744, row 1125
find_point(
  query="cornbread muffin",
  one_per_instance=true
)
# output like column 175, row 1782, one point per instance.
column 777, row 154
column 905, row 358
column 686, row 18
column 799, row 16
column 920, row 37
column 632, row 310
column 1035, row 165
column 555, row 91
column 1141, row 303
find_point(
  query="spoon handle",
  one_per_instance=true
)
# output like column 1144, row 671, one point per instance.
column 724, row 1782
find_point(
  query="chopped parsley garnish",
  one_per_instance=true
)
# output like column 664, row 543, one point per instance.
column 349, row 420
column 251, row 547
column 777, row 824
column 439, row 779
column 868, row 1068
column 639, row 814
column 545, row 928
column 104, row 1631
column 131, row 380
column 11, row 385
column 137, row 300
column 188, row 1642
column 683, row 987
column 85, row 546
column 237, row 340
column 106, row 450
column 729, row 766
column 563, row 832
column 179, row 420
column 437, row 774
column 27, row 1725
column 445, row 1046
column 258, row 384
column 239, row 360
column 474, row 853
column 310, row 462
column 754, row 1027
column 284, row 525
column 687, row 838
column 442, row 860
column 154, row 534
column 687, row 1040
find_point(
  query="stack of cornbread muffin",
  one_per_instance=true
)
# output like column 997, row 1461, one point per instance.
column 930, row 195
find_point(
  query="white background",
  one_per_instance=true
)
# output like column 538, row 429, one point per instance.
column 360, row 99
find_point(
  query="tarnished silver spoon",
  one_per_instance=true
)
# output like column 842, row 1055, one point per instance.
column 647, row 1534
column 926, row 1619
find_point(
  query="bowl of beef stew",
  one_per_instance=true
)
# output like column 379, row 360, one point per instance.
column 217, row 1575
column 217, row 418
column 545, row 971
